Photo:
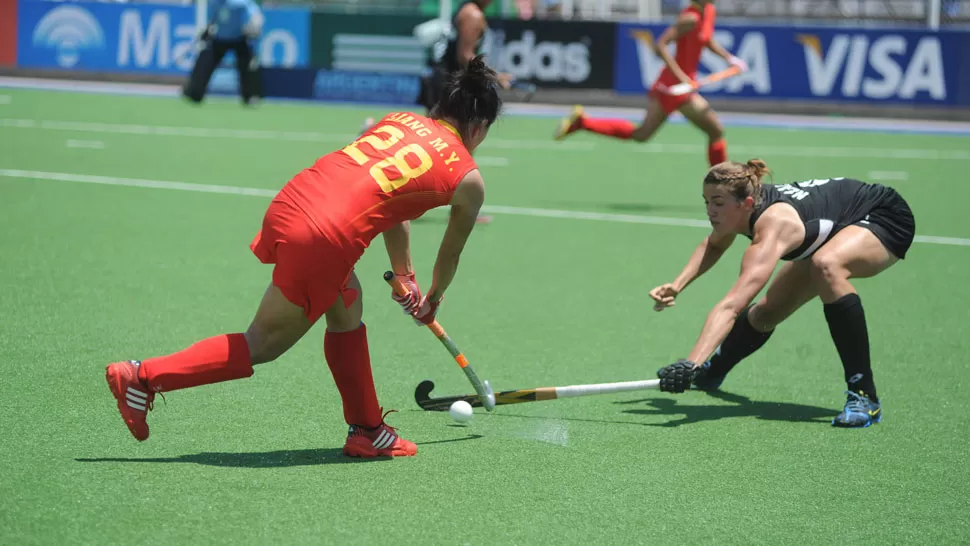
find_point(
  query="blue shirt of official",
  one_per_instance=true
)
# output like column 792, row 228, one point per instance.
column 230, row 16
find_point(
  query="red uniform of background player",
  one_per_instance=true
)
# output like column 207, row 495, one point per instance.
column 315, row 230
column 693, row 32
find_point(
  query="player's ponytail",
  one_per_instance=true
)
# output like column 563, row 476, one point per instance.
column 470, row 97
column 757, row 170
column 741, row 179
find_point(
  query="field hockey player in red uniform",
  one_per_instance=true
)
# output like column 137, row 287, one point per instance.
column 315, row 230
column 693, row 32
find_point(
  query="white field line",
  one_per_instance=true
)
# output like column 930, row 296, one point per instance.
column 492, row 209
column 136, row 182
column 249, row 134
column 768, row 150
column 491, row 161
column 89, row 144
column 791, row 122
column 888, row 175
column 927, row 154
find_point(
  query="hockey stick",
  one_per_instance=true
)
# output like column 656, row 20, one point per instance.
column 485, row 395
column 422, row 394
column 684, row 88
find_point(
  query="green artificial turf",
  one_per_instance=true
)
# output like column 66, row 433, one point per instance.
column 94, row 273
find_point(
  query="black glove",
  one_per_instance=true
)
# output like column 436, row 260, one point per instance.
column 677, row 377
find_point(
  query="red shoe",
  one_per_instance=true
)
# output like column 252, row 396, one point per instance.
column 135, row 400
column 380, row 441
column 483, row 219
column 570, row 124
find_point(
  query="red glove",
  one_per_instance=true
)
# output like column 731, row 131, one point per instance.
column 412, row 300
column 427, row 311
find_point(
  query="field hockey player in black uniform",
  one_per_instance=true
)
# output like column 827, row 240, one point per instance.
column 829, row 231
column 464, row 43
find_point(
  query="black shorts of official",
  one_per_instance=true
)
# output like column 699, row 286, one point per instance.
column 892, row 222
column 433, row 86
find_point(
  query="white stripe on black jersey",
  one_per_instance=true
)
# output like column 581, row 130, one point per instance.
column 825, row 206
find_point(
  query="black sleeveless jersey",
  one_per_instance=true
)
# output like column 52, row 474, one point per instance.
column 447, row 57
column 825, row 206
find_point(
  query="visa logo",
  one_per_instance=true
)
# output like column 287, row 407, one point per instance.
column 902, row 69
column 752, row 48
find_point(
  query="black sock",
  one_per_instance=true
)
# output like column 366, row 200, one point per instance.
column 847, row 324
column 740, row 342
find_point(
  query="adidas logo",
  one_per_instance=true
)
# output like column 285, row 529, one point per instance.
column 384, row 440
column 69, row 30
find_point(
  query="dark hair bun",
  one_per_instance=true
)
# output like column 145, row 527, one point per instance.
column 477, row 77
column 470, row 96
column 758, row 167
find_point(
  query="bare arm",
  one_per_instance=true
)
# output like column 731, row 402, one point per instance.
column 397, row 240
column 726, row 55
column 471, row 26
column 704, row 257
column 757, row 266
column 683, row 25
column 719, row 50
column 465, row 205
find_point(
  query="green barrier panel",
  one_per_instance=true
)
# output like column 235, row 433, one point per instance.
column 371, row 43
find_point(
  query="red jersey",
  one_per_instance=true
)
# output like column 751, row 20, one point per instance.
column 692, row 44
column 399, row 169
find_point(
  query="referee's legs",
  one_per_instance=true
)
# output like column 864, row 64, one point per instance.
column 247, row 65
column 209, row 58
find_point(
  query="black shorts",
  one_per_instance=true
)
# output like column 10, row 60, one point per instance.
column 432, row 86
column 892, row 222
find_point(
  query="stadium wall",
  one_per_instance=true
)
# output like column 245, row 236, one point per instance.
column 834, row 70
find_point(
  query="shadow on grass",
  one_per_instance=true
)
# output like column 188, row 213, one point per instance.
column 267, row 459
column 742, row 407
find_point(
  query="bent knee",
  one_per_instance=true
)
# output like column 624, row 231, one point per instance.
column 266, row 353
column 641, row 134
column 345, row 316
column 828, row 269
column 343, row 323
column 264, row 348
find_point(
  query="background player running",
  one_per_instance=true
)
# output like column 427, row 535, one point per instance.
column 829, row 231
column 315, row 230
column 692, row 31
column 464, row 44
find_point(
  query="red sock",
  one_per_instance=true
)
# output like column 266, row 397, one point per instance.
column 212, row 360
column 717, row 152
column 349, row 362
column 619, row 128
